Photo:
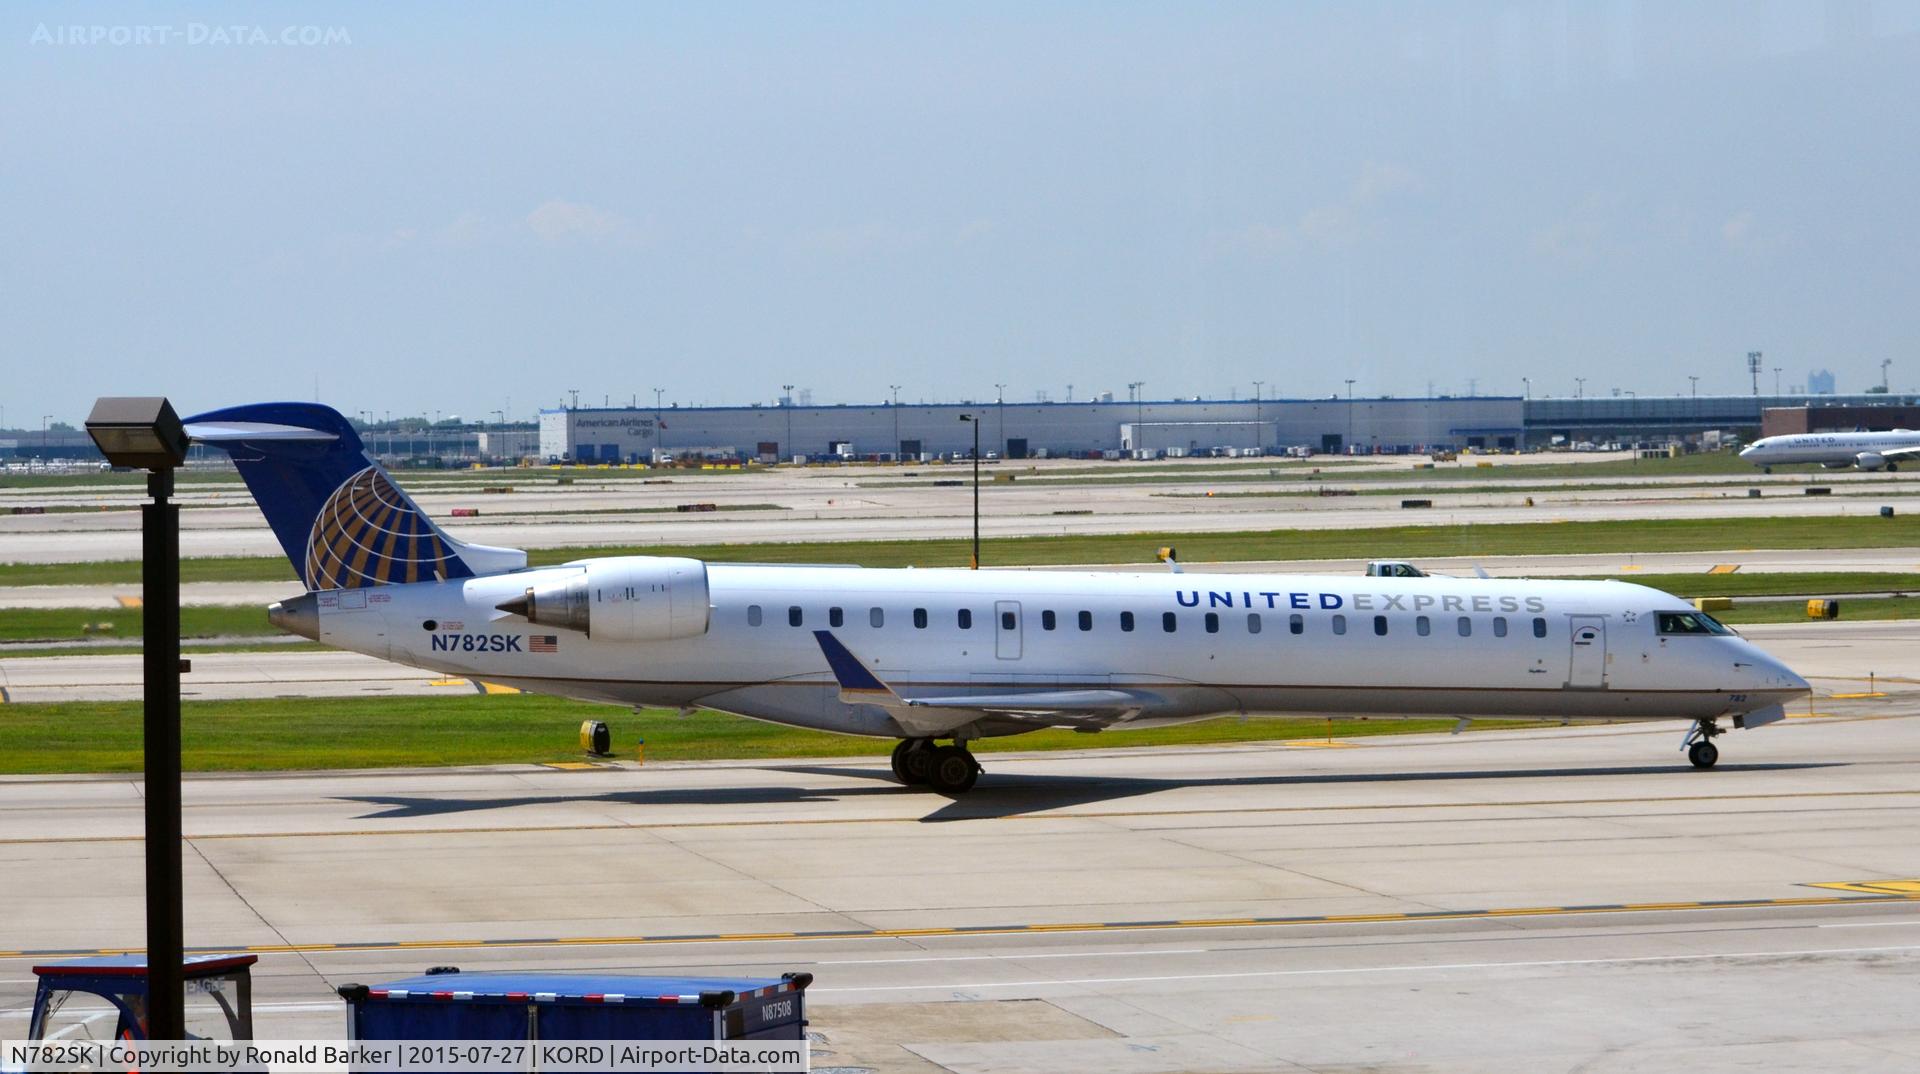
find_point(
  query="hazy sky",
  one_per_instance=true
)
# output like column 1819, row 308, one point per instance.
column 470, row 207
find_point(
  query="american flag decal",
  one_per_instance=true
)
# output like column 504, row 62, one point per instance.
column 543, row 643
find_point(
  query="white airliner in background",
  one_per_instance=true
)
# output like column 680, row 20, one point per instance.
column 929, row 655
column 1835, row 451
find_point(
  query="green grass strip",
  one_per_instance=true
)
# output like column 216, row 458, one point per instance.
column 70, row 624
column 324, row 733
column 1625, row 536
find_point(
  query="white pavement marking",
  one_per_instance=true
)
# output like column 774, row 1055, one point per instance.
column 1540, row 964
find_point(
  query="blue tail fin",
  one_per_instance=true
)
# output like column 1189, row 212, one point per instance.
column 341, row 520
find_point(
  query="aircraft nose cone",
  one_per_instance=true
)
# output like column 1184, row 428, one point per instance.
column 1780, row 677
column 1749, row 450
column 297, row 615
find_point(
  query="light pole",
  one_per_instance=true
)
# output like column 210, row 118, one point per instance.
column 974, row 421
column 1776, row 380
column 1349, row 439
column 1135, row 388
column 1579, row 387
column 1526, row 384
column 1259, row 441
column 1000, row 412
column 896, row 421
column 145, row 433
column 659, row 423
column 788, row 400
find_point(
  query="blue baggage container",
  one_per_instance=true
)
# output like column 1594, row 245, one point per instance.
column 450, row 1005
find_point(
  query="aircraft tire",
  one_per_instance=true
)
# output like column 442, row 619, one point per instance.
column 952, row 771
column 911, row 759
column 1703, row 754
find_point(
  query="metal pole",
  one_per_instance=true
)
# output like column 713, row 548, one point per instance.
column 976, row 492
column 1000, row 408
column 160, row 600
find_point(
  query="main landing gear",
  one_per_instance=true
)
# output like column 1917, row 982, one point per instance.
column 947, row 769
column 1699, row 744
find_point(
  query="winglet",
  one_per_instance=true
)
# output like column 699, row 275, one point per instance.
column 857, row 684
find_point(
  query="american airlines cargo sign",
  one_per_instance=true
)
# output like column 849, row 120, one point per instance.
column 630, row 426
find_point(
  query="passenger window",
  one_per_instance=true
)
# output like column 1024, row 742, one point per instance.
column 793, row 616
column 1539, row 628
column 1168, row 622
column 835, row 617
column 1253, row 622
column 1466, row 627
column 1339, row 624
column 1380, row 625
column 753, row 615
column 1297, row 623
column 876, row 618
column 1213, row 622
column 1006, row 621
column 966, row 619
column 1047, row 620
column 1086, row 620
column 920, row 618
column 1422, row 625
column 1126, row 622
column 1499, row 626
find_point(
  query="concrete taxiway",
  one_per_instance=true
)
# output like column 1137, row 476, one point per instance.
column 1495, row 901
column 823, row 505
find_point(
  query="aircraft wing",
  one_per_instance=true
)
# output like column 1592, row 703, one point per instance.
column 1900, row 454
column 930, row 716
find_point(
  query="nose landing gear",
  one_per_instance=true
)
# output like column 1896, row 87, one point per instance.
column 1698, row 744
column 945, row 769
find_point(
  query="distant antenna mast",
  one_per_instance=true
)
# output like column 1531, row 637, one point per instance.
column 1884, row 363
column 1753, row 368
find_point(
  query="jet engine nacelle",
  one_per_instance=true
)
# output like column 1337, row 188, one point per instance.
column 1870, row 460
column 630, row 598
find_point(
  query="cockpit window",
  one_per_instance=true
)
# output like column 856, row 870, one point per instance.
column 1691, row 623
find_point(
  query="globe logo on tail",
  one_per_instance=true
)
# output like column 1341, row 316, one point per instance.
column 368, row 533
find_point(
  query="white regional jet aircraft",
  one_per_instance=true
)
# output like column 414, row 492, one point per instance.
column 1835, row 451
column 930, row 655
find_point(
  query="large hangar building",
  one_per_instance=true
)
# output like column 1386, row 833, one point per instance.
column 1023, row 430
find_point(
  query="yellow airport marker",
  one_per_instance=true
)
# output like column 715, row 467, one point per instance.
column 1856, row 697
column 494, row 688
column 129, row 602
column 447, row 682
column 1874, row 887
column 1724, row 568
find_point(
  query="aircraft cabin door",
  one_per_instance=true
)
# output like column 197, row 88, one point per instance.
column 1588, row 667
column 1006, row 629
